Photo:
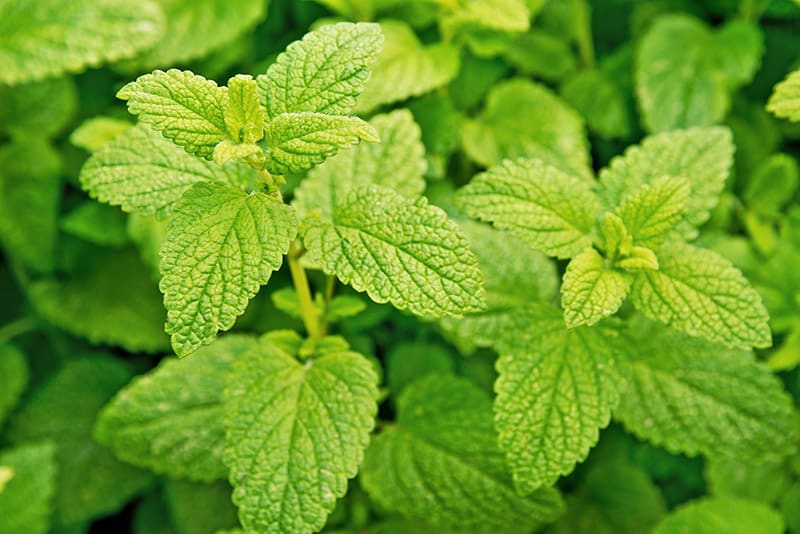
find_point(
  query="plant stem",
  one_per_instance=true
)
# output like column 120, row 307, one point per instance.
column 583, row 32
column 311, row 318
column 15, row 328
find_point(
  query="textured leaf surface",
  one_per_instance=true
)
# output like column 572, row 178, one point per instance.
column 69, row 36
column 439, row 463
column 91, row 482
column 170, row 419
column 13, row 378
column 402, row 251
column 185, row 107
column 703, row 156
column 785, row 99
column 653, row 210
column 722, row 514
column 94, row 304
column 295, row 434
column 689, row 85
column 405, row 67
column 221, row 247
column 524, row 119
column 552, row 210
column 397, row 162
column 503, row 15
column 591, row 289
column 145, row 173
column 556, row 390
column 30, row 192
column 323, row 73
column 298, row 141
column 244, row 116
column 26, row 499
column 703, row 294
column 692, row 396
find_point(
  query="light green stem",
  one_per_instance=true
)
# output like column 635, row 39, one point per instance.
column 583, row 32
column 16, row 328
column 311, row 318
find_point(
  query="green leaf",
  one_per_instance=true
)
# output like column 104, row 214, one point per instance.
column 222, row 245
column 772, row 185
column 785, row 99
column 26, row 499
column 552, row 210
column 692, row 396
column 525, row 119
column 30, row 192
column 144, row 173
column 397, row 162
column 298, row 141
column 439, row 463
column 503, row 15
column 703, row 294
column 523, row 275
column 39, row 108
column 244, row 116
column 91, row 482
column 170, row 419
column 69, row 36
column 185, row 107
column 193, row 29
column 556, row 390
column 197, row 508
column 690, row 85
column 93, row 302
column 97, row 223
column 591, row 290
column 94, row 133
column 295, row 434
column 766, row 482
column 13, row 378
column 247, row 153
column 703, row 156
column 722, row 514
column 405, row 67
column 653, row 210
column 534, row 53
column 402, row 251
column 322, row 73
column 596, row 96
column 408, row 362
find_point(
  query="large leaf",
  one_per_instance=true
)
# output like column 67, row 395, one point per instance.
column 439, row 463
column 402, row 251
column 221, row 247
column 57, row 36
column 556, row 390
column 170, row 419
column 296, row 432
column 552, row 210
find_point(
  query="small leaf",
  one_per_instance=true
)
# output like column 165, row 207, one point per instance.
column 439, row 463
column 639, row 259
column 653, row 210
column 722, row 514
column 221, row 247
column 703, row 294
column 322, row 73
column 96, row 132
column 592, row 290
column 295, row 434
column 555, row 391
column 298, row 141
column 248, row 153
column 244, row 116
column 598, row 98
column 186, row 108
column 550, row 209
column 785, row 99
column 26, row 498
column 196, row 507
column 402, row 251
column 170, row 419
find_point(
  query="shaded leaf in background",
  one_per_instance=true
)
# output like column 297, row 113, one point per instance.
column 26, row 499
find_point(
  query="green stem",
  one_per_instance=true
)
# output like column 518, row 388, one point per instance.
column 311, row 318
column 583, row 32
column 17, row 328
column 752, row 10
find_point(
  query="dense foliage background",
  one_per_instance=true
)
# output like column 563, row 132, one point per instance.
column 572, row 81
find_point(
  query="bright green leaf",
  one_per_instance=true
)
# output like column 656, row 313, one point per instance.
column 26, row 499
column 221, row 247
column 591, row 290
column 722, row 514
column 598, row 98
column 96, row 132
column 785, row 99
column 170, row 419
column 703, row 294
column 197, row 508
column 552, row 210
column 244, row 116
column 402, row 251
column 772, row 185
column 322, row 73
column 503, row 15
column 439, row 463
column 653, row 210
column 298, row 141
column 186, row 108
column 295, row 434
